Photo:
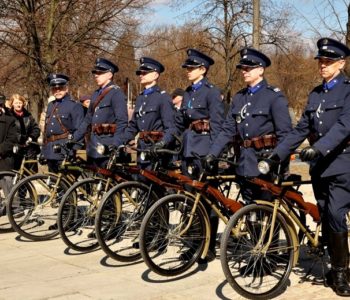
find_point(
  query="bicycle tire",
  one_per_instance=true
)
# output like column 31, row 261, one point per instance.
column 118, row 219
column 32, row 206
column 76, row 213
column 166, row 247
column 253, row 273
column 5, row 225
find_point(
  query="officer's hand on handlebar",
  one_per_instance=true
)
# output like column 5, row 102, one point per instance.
column 157, row 146
column 210, row 163
column 309, row 153
column 274, row 157
column 111, row 148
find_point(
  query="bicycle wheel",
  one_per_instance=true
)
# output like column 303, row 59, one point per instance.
column 172, row 237
column 118, row 219
column 7, row 179
column 76, row 214
column 253, row 269
column 33, row 203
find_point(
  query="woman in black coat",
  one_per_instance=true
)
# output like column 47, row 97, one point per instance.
column 8, row 138
column 27, row 128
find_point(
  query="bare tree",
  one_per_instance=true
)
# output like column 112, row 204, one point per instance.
column 228, row 25
column 41, row 36
column 329, row 18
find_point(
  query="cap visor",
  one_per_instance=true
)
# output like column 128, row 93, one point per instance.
column 99, row 70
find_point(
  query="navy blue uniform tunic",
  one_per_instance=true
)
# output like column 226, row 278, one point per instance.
column 254, row 112
column 71, row 115
column 200, row 101
column 111, row 110
column 153, row 112
column 326, row 119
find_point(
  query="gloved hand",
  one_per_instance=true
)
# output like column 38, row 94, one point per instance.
column 309, row 153
column 274, row 157
column 111, row 148
column 210, row 163
column 157, row 146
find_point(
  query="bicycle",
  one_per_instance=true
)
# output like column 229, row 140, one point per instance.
column 175, row 232
column 260, row 244
column 122, row 208
column 13, row 176
column 33, row 202
column 77, row 210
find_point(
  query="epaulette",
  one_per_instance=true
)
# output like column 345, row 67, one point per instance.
column 209, row 85
column 347, row 81
column 162, row 92
column 115, row 86
column 272, row 88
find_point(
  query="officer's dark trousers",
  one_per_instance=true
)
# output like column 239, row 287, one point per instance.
column 251, row 192
column 333, row 199
column 213, row 218
column 53, row 165
column 98, row 162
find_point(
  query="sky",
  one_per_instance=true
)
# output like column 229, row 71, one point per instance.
column 308, row 14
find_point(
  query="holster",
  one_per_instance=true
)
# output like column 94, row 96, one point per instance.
column 261, row 142
column 148, row 136
column 104, row 128
column 200, row 126
column 56, row 137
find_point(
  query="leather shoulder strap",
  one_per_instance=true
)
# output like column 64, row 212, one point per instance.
column 99, row 98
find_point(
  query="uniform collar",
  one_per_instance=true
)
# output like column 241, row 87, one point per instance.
column 198, row 85
column 327, row 86
column 100, row 90
column 66, row 97
column 253, row 89
column 150, row 90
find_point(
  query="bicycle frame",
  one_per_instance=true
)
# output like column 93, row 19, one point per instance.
column 283, row 203
column 204, row 191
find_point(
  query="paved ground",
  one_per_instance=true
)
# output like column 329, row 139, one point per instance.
column 48, row 270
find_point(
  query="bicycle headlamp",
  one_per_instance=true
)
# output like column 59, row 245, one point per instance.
column 100, row 149
column 264, row 167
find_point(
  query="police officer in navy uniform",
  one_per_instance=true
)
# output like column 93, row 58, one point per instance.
column 202, row 110
column 199, row 118
column 63, row 117
column 107, row 116
column 326, row 122
column 153, row 117
column 258, row 120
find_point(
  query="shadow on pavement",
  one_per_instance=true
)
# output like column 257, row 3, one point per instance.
column 146, row 275
column 117, row 264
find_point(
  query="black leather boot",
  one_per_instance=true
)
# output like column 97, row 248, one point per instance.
column 339, row 256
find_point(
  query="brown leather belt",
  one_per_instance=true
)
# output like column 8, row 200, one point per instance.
column 200, row 126
column 260, row 142
column 104, row 128
column 148, row 136
column 56, row 137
